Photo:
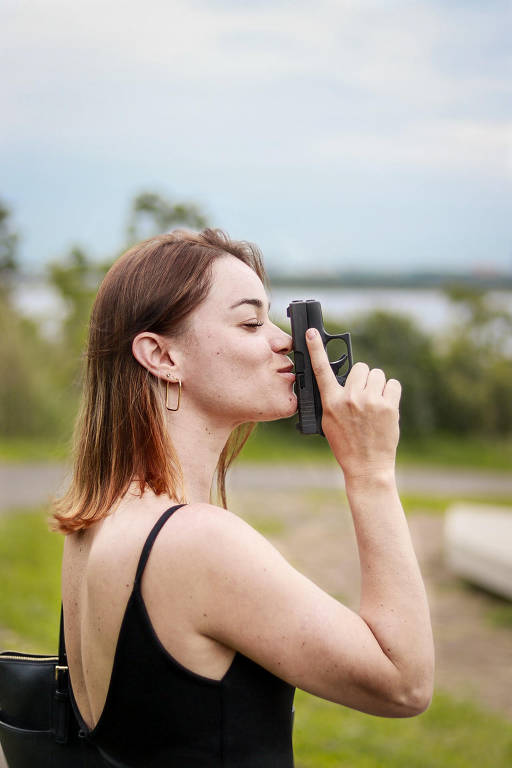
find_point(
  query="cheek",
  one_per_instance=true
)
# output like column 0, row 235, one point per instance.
column 229, row 361
column 244, row 356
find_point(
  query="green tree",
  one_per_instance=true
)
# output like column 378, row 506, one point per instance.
column 30, row 402
column 152, row 213
column 77, row 277
column 76, row 280
column 9, row 239
column 396, row 344
column 474, row 390
column 489, row 325
column 40, row 379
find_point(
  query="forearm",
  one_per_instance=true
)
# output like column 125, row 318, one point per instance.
column 393, row 599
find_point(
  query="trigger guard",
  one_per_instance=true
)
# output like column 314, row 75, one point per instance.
column 330, row 336
column 336, row 364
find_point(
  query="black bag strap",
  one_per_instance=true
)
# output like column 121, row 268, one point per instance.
column 61, row 696
column 63, row 659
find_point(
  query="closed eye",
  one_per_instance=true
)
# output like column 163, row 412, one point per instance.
column 252, row 325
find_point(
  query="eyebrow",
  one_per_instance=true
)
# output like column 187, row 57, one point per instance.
column 253, row 302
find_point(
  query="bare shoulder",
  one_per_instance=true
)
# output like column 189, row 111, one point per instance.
column 219, row 560
column 200, row 515
column 214, row 537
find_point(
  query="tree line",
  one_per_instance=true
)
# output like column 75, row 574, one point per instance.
column 460, row 385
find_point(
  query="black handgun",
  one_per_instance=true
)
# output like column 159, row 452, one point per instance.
column 304, row 315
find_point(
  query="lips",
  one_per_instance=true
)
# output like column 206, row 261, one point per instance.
column 287, row 372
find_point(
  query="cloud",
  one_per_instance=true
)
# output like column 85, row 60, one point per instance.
column 299, row 98
column 385, row 49
column 457, row 145
column 367, row 82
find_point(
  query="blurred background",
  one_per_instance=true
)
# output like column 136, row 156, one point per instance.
column 366, row 148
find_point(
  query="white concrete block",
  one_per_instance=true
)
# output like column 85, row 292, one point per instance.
column 478, row 545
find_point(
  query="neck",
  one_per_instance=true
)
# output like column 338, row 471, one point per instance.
column 198, row 443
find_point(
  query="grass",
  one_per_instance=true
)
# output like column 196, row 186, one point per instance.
column 269, row 444
column 267, row 526
column 413, row 503
column 458, row 451
column 451, row 734
column 437, row 505
column 16, row 449
column 498, row 609
column 30, row 596
column 501, row 614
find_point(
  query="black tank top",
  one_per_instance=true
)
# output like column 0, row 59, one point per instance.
column 159, row 714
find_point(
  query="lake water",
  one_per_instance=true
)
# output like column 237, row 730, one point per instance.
column 430, row 308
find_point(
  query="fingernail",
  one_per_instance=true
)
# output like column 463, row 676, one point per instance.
column 311, row 333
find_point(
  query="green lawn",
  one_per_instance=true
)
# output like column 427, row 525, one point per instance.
column 30, row 558
column 437, row 505
column 17, row 449
column 451, row 734
column 268, row 444
column 413, row 503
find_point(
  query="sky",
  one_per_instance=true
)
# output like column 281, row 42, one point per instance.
column 336, row 134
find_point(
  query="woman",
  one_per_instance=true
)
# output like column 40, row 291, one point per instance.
column 186, row 631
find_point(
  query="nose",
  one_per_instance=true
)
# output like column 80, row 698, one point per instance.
column 281, row 341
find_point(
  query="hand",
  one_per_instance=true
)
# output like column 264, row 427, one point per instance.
column 360, row 420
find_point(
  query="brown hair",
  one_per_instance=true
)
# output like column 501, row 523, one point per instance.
column 121, row 432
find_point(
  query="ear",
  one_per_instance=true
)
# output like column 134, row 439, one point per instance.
column 154, row 353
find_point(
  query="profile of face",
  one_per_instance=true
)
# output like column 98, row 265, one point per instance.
column 232, row 360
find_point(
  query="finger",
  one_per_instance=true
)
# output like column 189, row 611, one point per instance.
column 356, row 379
column 325, row 378
column 392, row 392
column 376, row 382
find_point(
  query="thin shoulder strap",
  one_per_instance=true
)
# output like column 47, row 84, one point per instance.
column 151, row 540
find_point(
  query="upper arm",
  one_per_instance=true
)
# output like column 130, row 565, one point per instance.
column 252, row 600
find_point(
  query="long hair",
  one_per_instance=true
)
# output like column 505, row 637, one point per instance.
column 121, row 433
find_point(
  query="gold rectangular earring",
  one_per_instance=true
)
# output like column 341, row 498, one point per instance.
column 167, row 396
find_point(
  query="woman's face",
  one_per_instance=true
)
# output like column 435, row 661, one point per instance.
column 233, row 360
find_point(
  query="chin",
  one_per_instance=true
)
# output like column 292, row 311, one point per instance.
column 284, row 411
column 292, row 407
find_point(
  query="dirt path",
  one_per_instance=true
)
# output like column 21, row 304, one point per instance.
column 34, row 483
